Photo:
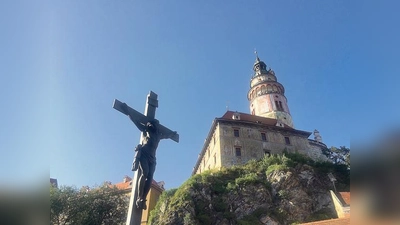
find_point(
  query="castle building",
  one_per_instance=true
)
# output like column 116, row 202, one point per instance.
column 156, row 190
column 236, row 137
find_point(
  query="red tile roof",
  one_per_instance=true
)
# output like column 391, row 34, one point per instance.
column 252, row 118
column 248, row 118
column 127, row 185
column 346, row 197
column 339, row 221
column 123, row 185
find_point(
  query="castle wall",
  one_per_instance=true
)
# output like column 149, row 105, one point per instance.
column 315, row 151
column 224, row 149
column 212, row 156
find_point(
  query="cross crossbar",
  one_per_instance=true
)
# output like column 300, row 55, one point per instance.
column 142, row 118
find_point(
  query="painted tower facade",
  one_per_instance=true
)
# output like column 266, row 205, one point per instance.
column 267, row 96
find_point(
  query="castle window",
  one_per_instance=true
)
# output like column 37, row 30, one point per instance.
column 263, row 136
column 215, row 159
column 236, row 132
column 287, row 140
column 238, row 151
column 267, row 153
column 278, row 105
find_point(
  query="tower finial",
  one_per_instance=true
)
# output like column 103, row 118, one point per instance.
column 255, row 52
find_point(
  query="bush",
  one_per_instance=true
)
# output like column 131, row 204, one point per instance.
column 250, row 178
column 276, row 167
column 99, row 205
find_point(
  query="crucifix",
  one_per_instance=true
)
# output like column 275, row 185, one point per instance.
column 145, row 161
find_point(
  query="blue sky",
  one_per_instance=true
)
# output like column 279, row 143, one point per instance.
column 63, row 63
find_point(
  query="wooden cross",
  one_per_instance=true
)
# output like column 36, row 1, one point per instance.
column 135, row 214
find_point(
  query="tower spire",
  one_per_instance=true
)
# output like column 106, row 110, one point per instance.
column 255, row 52
column 259, row 66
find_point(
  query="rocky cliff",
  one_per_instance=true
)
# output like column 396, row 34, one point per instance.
column 286, row 189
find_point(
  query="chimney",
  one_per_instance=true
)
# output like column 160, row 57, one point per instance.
column 236, row 116
column 127, row 179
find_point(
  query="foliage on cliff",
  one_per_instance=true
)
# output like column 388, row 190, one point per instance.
column 339, row 155
column 280, row 189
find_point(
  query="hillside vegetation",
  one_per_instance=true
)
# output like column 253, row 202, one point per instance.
column 280, row 189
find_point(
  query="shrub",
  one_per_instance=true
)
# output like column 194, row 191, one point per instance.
column 276, row 167
column 249, row 178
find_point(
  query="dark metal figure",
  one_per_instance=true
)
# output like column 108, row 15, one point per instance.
column 145, row 156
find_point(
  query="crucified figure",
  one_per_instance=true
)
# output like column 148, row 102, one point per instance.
column 145, row 156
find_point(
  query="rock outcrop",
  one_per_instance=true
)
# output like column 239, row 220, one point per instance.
column 275, row 190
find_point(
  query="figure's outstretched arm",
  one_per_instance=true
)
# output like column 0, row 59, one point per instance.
column 139, row 125
column 168, row 135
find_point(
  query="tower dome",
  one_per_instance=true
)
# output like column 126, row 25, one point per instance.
column 266, row 95
column 259, row 65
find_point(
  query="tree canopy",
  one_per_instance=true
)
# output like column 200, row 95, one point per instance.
column 339, row 155
column 99, row 205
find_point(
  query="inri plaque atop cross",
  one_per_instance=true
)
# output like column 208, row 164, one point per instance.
column 145, row 160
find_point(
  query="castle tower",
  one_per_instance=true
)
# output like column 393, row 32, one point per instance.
column 267, row 95
column 317, row 136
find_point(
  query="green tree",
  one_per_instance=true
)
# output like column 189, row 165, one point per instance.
column 339, row 155
column 97, row 206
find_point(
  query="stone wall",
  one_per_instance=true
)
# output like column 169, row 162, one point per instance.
column 314, row 150
column 225, row 149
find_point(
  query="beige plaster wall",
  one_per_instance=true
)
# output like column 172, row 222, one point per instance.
column 223, row 142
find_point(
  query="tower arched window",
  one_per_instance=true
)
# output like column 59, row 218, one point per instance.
column 269, row 88
column 263, row 89
column 275, row 88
